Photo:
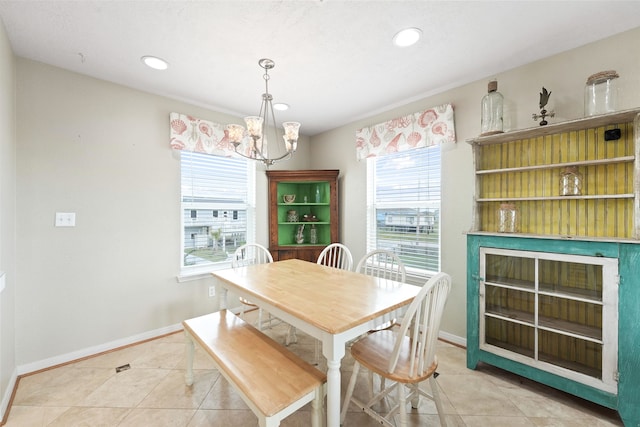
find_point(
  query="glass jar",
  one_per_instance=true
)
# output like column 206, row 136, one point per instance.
column 292, row 216
column 570, row 182
column 492, row 104
column 313, row 235
column 507, row 218
column 601, row 93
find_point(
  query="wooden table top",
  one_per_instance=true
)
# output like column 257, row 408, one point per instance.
column 331, row 299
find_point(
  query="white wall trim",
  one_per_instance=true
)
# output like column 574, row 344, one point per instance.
column 454, row 339
column 7, row 394
column 90, row 351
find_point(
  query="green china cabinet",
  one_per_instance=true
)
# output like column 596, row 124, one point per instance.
column 303, row 212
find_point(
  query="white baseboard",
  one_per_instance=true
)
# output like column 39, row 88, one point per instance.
column 454, row 339
column 90, row 351
column 7, row 394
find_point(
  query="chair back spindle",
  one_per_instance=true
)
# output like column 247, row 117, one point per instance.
column 336, row 255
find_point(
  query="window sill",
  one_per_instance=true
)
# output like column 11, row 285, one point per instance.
column 199, row 273
column 418, row 278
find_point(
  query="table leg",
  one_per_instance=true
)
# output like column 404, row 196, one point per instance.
column 333, row 393
column 334, row 351
column 188, row 376
column 222, row 297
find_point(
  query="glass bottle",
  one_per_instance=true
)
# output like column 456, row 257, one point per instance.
column 570, row 182
column 601, row 93
column 492, row 105
column 508, row 218
column 313, row 235
column 318, row 194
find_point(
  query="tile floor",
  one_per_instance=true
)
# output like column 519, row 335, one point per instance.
column 152, row 393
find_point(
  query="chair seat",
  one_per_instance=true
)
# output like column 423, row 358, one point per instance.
column 375, row 350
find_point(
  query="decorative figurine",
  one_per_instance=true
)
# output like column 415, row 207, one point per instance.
column 300, row 234
column 544, row 98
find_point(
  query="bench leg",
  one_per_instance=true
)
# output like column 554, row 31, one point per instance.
column 317, row 413
column 188, row 376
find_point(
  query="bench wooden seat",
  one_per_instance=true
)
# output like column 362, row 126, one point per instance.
column 273, row 381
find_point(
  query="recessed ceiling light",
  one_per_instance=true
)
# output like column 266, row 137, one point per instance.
column 407, row 37
column 155, row 62
column 280, row 106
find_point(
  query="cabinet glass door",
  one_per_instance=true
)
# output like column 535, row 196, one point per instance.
column 557, row 312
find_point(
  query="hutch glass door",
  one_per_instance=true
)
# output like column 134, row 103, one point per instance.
column 557, row 312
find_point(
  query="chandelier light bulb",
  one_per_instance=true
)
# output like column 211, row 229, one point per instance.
column 254, row 125
column 236, row 133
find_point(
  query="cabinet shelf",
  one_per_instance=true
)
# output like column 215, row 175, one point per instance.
column 540, row 198
column 303, row 204
column 566, row 292
column 518, row 285
column 572, row 329
column 509, row 315
column 568, row 126
column 575, row 294
column 613, row 160
column 305, row 223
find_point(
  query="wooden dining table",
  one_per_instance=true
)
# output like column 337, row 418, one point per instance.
column 332, row 305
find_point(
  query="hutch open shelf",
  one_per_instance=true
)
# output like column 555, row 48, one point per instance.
column 315, row 208
column 558, row 299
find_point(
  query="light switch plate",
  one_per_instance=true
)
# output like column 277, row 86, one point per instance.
column 65, row 219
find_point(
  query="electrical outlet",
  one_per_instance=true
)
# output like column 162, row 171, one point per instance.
column 65, row 219
column 212, row 291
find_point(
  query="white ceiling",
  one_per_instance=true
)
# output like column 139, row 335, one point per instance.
column 334, row 59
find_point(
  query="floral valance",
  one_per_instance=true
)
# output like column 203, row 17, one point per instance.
column 423, row 129
column 202, row 136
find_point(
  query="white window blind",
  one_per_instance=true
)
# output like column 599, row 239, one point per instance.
column 218, row 208
column 403, row 207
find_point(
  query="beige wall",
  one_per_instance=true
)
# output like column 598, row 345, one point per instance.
column 7, row 219
column 565, row 75
column 101, row 150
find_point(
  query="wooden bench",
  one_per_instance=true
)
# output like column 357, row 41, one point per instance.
column 271, row 380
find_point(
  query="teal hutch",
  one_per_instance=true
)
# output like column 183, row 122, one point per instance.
column 554, row 294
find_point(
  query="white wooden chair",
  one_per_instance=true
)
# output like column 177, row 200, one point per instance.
column 249, row 254
column 387, row 265
column 336, row 255
column 405, row 357
column 384, row 264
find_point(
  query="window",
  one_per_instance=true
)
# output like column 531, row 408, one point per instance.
column 403, row 207
column 218, row 205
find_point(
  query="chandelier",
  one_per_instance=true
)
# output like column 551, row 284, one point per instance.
column 257, row 126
